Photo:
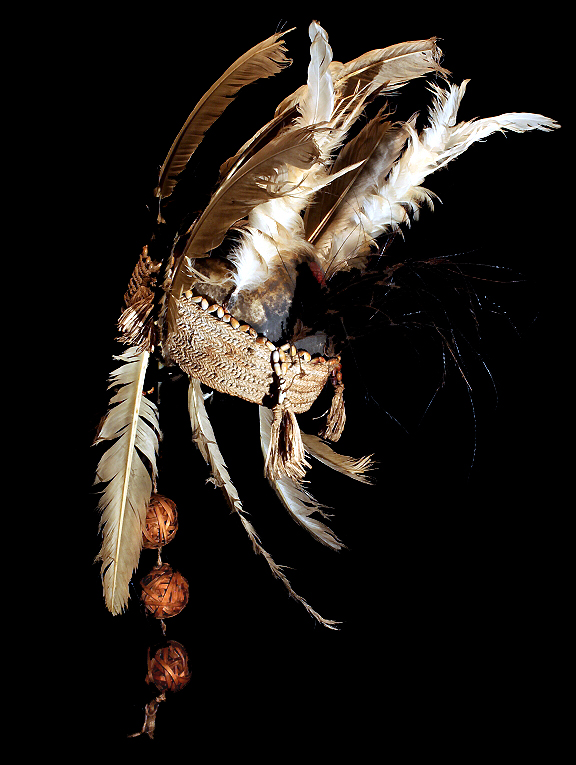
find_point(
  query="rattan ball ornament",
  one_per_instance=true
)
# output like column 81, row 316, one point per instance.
column 161, row 522
column 164, row 592
column 168, row 669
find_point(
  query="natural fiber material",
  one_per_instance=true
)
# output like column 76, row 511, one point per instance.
column 150, row 712
column 336, row 418
column 232, row 360
column 161, row 522
column 164, row 592
column 135, row 322
column 168, row 670
column 286, row 455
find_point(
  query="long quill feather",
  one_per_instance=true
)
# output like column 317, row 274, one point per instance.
column 132, row 423
column 384, row 69
column 205, row 439
column 263, row 60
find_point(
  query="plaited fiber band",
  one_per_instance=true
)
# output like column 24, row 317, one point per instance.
column 235, row 361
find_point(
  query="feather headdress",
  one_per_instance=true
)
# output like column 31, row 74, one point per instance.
column 309, row 192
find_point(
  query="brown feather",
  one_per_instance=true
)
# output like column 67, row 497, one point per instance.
column 263, row 60
column 359, row 149
column 379, row 144
column 253, row 183
column 270, row 130
column 388, row 67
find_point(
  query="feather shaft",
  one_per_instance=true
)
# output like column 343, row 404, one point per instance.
column 263, row 60
column 132, row 424
column 203, row 435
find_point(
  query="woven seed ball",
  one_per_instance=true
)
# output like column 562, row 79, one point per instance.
column 164, row 592
column 161, row 522
column 168, row 669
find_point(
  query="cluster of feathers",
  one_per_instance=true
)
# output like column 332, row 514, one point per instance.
column 300, row 191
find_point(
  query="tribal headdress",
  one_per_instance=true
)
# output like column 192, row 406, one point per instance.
column 316, row 195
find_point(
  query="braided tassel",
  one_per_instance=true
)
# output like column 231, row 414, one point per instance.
column 337, row 415
column 286, row 454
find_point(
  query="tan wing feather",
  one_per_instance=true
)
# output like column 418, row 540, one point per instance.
column 132, row 423
column 263, row 60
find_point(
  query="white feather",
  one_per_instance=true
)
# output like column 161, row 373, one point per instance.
column 203, row 435
column 275, row 233
column 397, row 198
column 133, row 425
column 316, row 102
column 253, row 258
column 448, row 139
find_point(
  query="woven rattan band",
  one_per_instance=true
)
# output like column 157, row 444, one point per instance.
column 234, row 361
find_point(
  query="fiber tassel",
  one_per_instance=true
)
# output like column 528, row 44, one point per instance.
column 286, row 454
column 336, row 418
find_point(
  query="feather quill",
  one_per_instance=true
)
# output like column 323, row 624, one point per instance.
column 203, row 437
column 263, row 60
column 132, row 423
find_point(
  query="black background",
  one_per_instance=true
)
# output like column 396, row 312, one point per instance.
column 448, row 589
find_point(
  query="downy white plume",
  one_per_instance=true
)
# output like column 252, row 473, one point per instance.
column 449, row 139
column 205, row 440
column 253, row 259
column 394, row 198
column 132, row 423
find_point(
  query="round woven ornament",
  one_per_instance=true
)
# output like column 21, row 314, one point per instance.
column 164, row 592
column 168, row 669
column 161, row 522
